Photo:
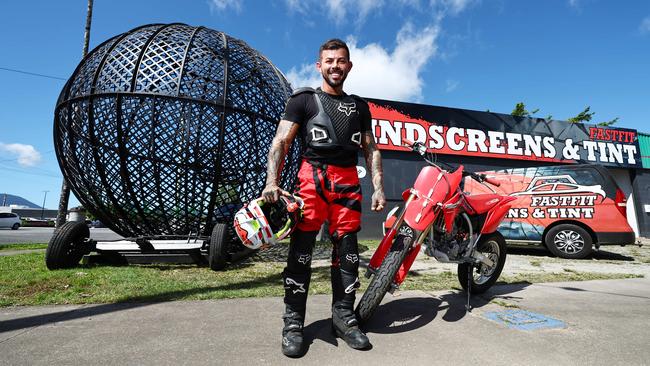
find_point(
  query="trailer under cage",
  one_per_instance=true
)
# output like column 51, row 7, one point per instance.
column 72, row 244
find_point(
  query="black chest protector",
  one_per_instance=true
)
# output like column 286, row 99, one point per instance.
column 337, row 124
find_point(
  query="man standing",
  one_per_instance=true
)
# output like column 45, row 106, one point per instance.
column 332, row 126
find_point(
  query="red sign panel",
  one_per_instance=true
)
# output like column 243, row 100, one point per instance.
column 492, row 135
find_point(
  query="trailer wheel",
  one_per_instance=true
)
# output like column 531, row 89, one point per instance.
column 218, row 250
column 67, row 246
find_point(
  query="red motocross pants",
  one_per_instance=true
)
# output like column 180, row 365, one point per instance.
column 330, row 193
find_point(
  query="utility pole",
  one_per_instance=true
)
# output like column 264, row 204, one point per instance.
column 43, row 209
column 65, row 190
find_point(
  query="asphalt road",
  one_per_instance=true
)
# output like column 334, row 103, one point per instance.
column 26, row 235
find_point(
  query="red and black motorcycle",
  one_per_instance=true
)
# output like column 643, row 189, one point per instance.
column 451, row 225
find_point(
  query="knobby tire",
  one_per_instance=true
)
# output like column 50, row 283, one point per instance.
column 382, row 280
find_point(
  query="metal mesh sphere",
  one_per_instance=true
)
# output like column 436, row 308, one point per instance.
column 165, row 129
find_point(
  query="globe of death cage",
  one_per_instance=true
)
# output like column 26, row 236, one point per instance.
column 165, row 129
column 260, row 224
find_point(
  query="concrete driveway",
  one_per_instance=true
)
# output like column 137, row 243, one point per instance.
column 604, row 323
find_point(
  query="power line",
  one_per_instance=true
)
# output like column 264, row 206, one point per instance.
column 42, row 173
column 32, row 73
column 13, row 160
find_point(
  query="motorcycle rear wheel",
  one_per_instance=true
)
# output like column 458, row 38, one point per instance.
column 383, row 278
column 482, row 278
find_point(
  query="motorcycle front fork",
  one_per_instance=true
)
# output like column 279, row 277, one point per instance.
column 400, row 276
column 387, row 241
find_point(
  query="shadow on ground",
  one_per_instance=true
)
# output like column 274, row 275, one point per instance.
column 407, row 314
column 137, row 302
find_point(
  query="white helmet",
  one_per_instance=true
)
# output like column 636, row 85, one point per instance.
column 260, row 223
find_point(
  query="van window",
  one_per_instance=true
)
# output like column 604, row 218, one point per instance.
column 587, row 177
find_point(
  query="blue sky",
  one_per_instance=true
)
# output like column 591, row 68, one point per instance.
column 556, row 55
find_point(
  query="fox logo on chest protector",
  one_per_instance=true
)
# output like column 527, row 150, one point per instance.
column 347, row 108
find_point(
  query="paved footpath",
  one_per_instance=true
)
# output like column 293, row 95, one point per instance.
column 606, row 323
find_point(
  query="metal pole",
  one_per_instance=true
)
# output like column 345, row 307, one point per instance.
column 65, row 190
column 43, row 209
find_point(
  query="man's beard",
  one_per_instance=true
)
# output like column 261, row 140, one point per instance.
column 334, row 83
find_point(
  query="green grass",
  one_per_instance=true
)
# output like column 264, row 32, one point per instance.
column 26, row 281
column 536, row 263
column 504, row 304
column 22, row 246
column 368, row 244
column 566, row 276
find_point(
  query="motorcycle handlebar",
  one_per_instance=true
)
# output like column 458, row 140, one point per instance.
column 492, row 182
column 482, row 178
column 417, row 147
column 421, row 149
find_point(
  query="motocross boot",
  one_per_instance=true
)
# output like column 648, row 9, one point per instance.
column 296, row 277
column 346, row 327
column 345, row 282
column 292, row 335
column 296, row 287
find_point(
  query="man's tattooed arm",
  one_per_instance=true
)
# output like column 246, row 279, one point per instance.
column 284, row 136
column 373, row 163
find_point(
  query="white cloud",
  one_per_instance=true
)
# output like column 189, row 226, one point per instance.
column 412, row 3
column 357, row 11
column 368, row 6
column 379, row 72
column 222, row 5
column 644, row 27
column 27, row 154
column 451, row 85
column 452, row 7
column 297, row 6
column 305, row 75
column 574, row 4
column 337, row 10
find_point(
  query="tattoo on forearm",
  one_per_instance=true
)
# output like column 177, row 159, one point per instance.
column 373, row 161
column 277, row 153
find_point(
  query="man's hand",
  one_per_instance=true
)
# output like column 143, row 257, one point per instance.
column 272, row 193
column 378, row 200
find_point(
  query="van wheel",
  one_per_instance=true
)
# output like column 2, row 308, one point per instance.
column 568, row 241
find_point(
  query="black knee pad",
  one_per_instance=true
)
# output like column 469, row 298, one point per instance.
column 347, row 250
column 300, row 251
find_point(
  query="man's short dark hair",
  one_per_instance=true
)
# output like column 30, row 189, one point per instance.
column 333, row 44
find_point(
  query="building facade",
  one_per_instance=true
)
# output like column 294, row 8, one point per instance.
column 486, row 141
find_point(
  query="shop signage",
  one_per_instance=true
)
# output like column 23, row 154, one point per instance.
column 494, row 135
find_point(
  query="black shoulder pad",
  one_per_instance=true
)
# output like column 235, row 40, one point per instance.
column 358, row 98
column 303, row 90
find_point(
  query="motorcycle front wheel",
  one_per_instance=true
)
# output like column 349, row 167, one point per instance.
column 483, row 277
column 383, row 278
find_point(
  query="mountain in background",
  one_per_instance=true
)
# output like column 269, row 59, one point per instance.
column 7, row 199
